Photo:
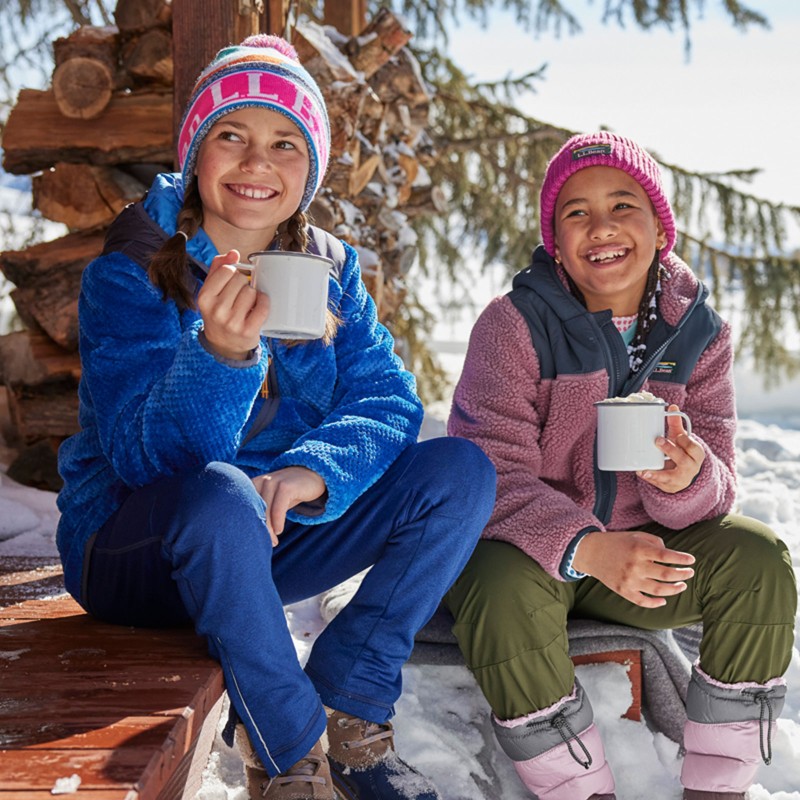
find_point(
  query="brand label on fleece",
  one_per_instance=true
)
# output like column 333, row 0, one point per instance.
column 665, row 368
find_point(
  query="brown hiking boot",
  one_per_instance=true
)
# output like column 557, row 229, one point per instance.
column 364, row 765
column 694, row 794
column 308, row 779
column 357, row 743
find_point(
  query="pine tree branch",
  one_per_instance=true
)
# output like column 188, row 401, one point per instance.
column 714, row 179
column 76, row 11
column 791, row 261
column 547, row 133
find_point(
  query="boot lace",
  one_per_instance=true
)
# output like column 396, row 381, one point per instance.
column 373, row 732
column 561, row 724
column 765, row 702
column 304, row 771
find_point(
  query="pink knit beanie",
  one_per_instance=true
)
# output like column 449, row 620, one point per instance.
column 602, row 149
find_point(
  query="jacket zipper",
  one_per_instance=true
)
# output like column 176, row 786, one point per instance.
column 606, row 482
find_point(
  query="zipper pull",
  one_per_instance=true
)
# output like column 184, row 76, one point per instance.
column 265, row 384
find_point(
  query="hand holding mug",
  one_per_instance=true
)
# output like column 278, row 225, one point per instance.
column 233, row 312
column 627, row 431
column 684, row 457
column 297, row 284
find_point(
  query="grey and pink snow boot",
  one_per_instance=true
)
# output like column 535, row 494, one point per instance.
column 727, row 735
column 557, row 752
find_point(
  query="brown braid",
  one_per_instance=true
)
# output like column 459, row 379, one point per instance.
column 294, row 233
column 168, row 269
column 293, row 236
column 573, row 287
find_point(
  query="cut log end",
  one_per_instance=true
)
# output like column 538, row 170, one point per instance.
column 82, row 87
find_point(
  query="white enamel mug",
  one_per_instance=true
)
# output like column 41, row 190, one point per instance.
column 297, row 285
column 627, row 431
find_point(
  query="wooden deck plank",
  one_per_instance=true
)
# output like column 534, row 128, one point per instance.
column 33, row 734
column 29, row 577
column 98, row 769
column 123, row 708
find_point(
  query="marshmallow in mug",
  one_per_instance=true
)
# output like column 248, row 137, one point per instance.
column 635, row 397
column 627, row 428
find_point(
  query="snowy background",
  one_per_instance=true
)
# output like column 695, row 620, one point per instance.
column 442, row 722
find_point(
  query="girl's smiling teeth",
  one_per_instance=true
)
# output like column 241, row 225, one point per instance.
column 606, row 256
column 253, row 192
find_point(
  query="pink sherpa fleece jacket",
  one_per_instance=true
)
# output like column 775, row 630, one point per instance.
column 540, row 433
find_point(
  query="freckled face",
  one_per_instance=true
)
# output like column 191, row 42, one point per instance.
column 607, row 233
column 251, row 174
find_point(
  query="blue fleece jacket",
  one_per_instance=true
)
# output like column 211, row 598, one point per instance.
column 154, row 401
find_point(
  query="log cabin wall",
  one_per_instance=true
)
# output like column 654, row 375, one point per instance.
column 96, row 138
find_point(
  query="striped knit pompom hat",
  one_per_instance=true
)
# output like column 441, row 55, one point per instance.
column 603, row 149
column 263, row 72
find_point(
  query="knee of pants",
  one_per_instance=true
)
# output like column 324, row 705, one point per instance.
column 460, row 473
column 504, row 605
column 511, row 626
column 216, row 498
column 755, row 562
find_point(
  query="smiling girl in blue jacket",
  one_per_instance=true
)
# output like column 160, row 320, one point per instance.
column 219, row 475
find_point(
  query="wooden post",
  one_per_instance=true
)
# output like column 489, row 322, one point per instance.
column 347, row 16
column 201, row 27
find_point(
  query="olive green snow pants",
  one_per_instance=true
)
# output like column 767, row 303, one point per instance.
column 511, row 616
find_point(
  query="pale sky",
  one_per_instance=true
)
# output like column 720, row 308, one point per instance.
column 735, row 103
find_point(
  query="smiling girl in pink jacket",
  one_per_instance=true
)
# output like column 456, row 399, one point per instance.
column 605, row 309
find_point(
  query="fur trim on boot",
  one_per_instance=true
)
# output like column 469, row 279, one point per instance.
column 557, row 752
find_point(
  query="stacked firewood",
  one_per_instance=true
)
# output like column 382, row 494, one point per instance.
column 105, row 128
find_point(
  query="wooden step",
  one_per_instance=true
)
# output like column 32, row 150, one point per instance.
column 131, row 711
column 632, row 661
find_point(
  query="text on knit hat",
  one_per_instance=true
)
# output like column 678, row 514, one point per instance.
column 263, row 71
